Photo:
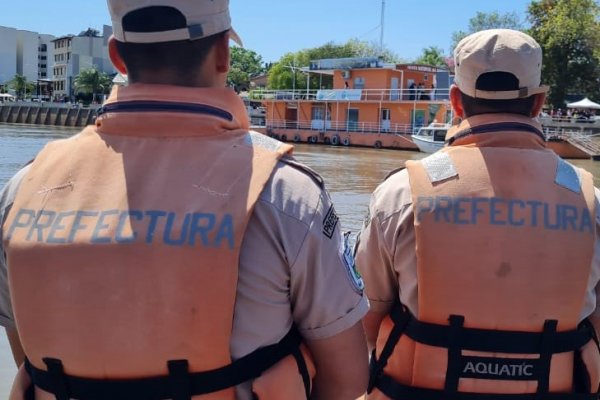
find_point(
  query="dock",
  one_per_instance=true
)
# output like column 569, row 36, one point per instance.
column 52, row 114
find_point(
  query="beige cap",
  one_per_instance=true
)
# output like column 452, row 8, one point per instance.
column 204, row 18
column 499, row 50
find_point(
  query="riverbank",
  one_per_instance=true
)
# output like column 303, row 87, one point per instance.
column 52, row 114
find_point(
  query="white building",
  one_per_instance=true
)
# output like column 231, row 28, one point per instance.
column 73, row 54
column 46, row 57
column 27, row 54
column 8, row 54
column 24, row 53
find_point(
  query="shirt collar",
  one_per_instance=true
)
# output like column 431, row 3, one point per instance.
column 164, row 110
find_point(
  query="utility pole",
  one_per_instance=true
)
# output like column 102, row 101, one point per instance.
column 382, row 27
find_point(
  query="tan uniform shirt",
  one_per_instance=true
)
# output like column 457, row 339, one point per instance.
column 292, row 266
column 386, row 256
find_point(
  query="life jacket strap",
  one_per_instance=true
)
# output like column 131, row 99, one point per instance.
column 180, row 384
column 492, row 341
column 456, row 338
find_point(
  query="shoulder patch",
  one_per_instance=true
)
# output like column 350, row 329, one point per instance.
column 330, row 222
column 356, row 279
column 395, row 171
column 288, row 160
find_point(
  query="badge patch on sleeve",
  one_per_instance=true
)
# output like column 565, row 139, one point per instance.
column 330, row 222
column 348, row 257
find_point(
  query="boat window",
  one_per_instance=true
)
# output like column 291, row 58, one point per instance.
column 439, row 135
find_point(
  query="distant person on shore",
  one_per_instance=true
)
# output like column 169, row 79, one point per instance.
column 412, row 91
column 168, row 252
column 482, row 261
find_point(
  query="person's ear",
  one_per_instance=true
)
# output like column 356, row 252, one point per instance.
column 222, row 54
column 456, row 101
column 538, row 104
column 115, row 56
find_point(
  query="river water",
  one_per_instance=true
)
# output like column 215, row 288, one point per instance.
column 351, row 175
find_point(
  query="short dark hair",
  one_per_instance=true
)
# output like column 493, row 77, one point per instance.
column 497, row 81
column 183, row 57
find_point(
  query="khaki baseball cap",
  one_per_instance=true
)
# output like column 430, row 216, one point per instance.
column 499, row 50
column 203, row 18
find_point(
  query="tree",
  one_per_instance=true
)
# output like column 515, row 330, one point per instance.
column 482, row 21
column 432, row 56
column 21, row 86
column 244, row 65
column 92, row 81
column 286, row 74
column 90, row 32
column 569, row 33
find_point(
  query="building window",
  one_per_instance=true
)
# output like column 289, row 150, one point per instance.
column 359, row 83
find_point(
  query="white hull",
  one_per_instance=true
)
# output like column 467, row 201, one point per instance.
column 426, row 145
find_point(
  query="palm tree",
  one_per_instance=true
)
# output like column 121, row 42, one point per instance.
column 92, row 81
column 19, row 84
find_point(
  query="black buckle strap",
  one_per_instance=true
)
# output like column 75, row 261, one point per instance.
column 57, row 375
column 494, row 341
column 179, row 375
column 303, row 370
column 178, row 385
column 453, row 372
column 456, row 338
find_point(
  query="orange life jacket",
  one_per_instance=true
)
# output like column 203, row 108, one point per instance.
column 505, row 234
column 123, row 246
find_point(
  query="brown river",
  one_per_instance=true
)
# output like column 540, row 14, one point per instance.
column 351, row 174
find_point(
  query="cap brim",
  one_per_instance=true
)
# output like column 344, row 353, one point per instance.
column 509, row 94
column 233, row 35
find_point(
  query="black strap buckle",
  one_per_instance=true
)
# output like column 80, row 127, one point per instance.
column 181, row 384
column 58, row 379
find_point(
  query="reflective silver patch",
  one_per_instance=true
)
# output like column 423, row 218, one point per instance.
column 260, row 140
column 439, row 167
column 567, row 176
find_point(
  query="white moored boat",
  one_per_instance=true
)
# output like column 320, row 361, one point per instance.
column 431, row 138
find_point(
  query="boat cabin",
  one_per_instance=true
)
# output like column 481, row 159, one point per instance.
column 365, row 96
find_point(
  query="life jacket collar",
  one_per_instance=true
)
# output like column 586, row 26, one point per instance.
column 497, row 130
column 171, row 111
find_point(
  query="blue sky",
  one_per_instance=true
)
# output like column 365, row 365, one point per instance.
column 275, row 27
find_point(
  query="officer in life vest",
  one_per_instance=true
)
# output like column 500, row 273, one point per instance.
column 481, row 262
column 168, row 252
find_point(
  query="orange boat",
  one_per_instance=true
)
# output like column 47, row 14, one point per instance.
column 379, row 105
column 371, row 104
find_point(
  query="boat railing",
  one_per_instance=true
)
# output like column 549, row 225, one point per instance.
column 351, row 95
column 342, row 126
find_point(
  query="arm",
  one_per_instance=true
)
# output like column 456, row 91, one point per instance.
column 371, row 324
column 328, row 305
column 342, row 365
column 15, row 345
column 7, row 197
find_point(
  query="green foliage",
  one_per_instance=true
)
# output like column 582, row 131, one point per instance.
column 20, row 85
column 244, row 65
column 92, row 81
column 285, row 73
column 432, row 55
column 482, row 21
column 569, row 33
column 90, row 32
